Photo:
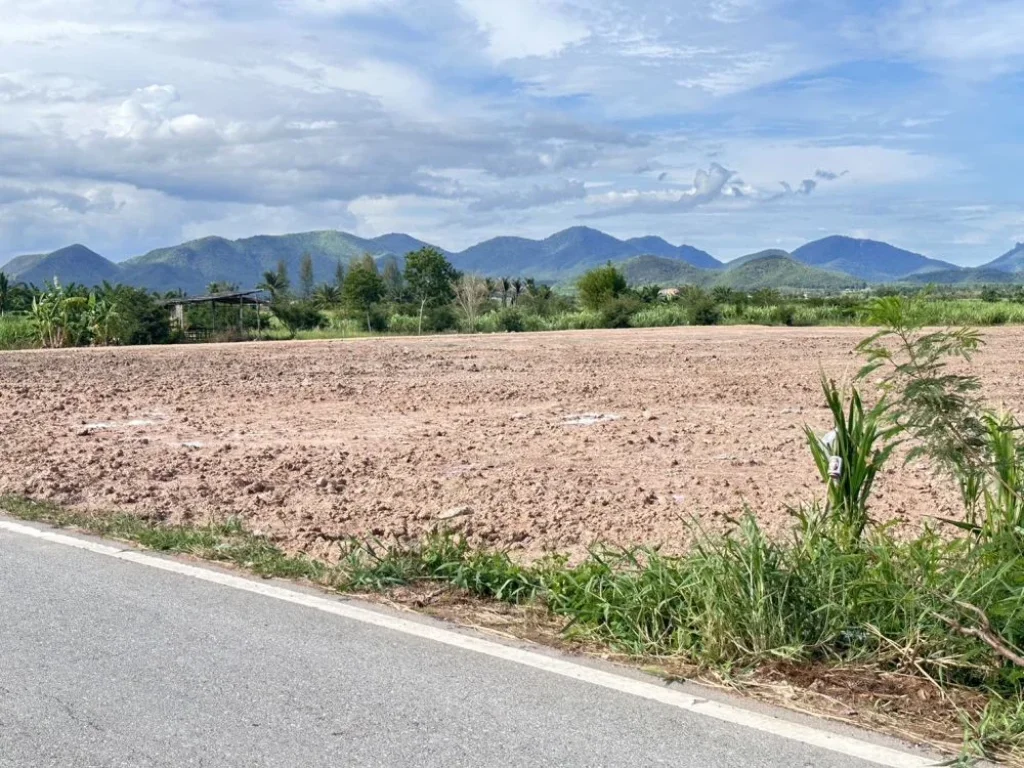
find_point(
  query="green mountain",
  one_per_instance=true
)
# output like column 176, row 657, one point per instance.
column 656, row 246
column 194, row 265
column 667, row 272
column 869, row 260
column 755, row 256
column 74, row 264
column 567, row 254
column 967, row 277
column 1011, row 261
column 775, row 269
column 833, row 263
column 767, row 269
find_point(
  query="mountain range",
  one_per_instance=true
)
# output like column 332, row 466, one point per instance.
column 834, row 262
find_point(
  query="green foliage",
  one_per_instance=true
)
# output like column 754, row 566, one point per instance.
column 439, row 319
column 394, row 284
column 297, row 315
column 990, row 294
column 5, row 294
column 363, row 290
column 276, row 284
column 429, row 277
column 62, row 317
column 601, row 285
column 850, row 457
column 510, row 320
column 940, row 410
column 704, row 311
column 282, row 280
column 17, row 332
column 618, row 312
column 327, row 296
column 140, row 319
column 307, row 279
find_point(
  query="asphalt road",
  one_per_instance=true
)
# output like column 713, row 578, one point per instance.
column 110, row 663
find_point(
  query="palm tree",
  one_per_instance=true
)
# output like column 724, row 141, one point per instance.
column 505, row 286
column 517, row 287
column 274, row 285
column 220, row 286
column 326, row 296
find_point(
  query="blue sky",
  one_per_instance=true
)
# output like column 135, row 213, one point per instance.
column 732, row 125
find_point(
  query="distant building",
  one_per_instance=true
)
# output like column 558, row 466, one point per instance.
column 668, row 293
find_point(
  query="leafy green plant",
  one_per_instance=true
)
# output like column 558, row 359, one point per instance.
column 600, row 285
column 850, row 457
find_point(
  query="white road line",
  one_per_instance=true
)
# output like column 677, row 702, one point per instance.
column 833, row 742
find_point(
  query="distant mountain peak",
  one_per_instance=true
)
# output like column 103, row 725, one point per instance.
column 1011, row 261
column 870, row 260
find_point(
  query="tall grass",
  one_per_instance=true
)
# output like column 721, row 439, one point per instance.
column 17, row 332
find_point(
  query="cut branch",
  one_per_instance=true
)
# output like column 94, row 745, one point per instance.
column 985, row 633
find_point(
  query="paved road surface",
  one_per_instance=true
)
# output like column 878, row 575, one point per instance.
column 110, row 663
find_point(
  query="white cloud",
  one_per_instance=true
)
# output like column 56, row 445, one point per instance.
column 979, row 36
column 525, row 27
column 708, row 186
column 334, row 7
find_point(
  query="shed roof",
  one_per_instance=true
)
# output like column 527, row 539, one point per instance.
column 236, row 297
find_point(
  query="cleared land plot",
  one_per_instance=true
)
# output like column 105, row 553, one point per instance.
column 551, row 441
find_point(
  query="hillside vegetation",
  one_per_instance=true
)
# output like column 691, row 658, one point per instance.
column 832, row 263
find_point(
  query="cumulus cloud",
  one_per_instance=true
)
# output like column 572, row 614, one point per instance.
column 708, row 186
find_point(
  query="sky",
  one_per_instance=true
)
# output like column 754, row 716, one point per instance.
column 730, row 125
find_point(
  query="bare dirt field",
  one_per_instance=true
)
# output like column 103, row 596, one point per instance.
column 535, row 442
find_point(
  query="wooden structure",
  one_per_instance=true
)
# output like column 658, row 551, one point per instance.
column 240, row 299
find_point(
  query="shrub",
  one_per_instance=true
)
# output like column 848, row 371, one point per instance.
column 618, row 312
column 600, row 285
column 439, row 319
column 406, row 325
column 297, row 315
column 704, row 311
column 510, row 320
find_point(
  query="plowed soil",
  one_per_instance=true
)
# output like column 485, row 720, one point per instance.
column 533, row 442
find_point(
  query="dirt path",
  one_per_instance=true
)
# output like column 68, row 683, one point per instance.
column 551, row 440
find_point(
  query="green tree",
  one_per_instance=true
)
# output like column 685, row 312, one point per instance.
column 284, row 283
column 306, row 278
column 6, row 295
column 326, row 296
column 273, row 285
column 429, row 276
column 393, row 280
column 363, row 289
column 600, row 285
column 339, row 275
